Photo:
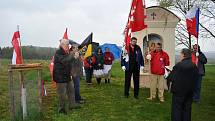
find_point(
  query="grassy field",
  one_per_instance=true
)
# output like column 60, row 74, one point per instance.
column 105, row 102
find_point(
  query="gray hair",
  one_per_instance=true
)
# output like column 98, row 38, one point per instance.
column 64, row 42
column 186, row 52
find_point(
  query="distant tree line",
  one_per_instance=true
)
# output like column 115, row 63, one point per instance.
column 29, row 52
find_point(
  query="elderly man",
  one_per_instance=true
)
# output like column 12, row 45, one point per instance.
column 61, row 75
column 183, row 77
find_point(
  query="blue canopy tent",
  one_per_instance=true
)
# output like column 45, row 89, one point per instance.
column 113, row 48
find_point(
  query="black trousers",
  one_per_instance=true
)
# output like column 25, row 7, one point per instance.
column 136, row 74
column 89, row 73
column 181, row 108
column 98, row 80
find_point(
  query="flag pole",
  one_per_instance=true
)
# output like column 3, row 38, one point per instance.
column 20, row 44
column 147, row 39
column 189, row 35
column 23, row 89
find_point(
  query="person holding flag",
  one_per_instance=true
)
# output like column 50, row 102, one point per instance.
column 131, row 57
column 132, row 67
column 88, row 59
column 192, row 20
column 200, row 60
column 51, row 65
column 61, row 75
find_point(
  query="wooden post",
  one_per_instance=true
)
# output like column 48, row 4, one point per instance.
column 39, row 75
column 147, row 39
column 23, row 96
column 12, row 98
column 21, row 68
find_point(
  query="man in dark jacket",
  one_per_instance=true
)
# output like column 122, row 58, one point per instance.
column 132, row 66
column 200, row 60
column 61, row 75
column 183, row 77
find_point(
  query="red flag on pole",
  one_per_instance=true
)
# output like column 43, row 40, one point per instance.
column 65, row 36
column 135, row 20
column 17, row 59
column 192, row 20
column 137, row 16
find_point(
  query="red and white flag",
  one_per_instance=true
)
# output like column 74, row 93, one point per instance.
column 137, row 16
column 17, row 58
column 135, row 19
column 135, row 22
column 192, row 20
column 65, row 36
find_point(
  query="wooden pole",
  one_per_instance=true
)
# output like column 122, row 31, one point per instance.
column 22, row 86
column 23, row 95
column 147, row 39
column 188, row 7
column 20, row 45
column 12, row 97
column 39, row 77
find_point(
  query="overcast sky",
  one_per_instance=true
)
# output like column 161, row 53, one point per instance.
column 43, row 22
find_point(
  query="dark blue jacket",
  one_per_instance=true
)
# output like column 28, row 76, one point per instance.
column 139, row 58
column 201, row 63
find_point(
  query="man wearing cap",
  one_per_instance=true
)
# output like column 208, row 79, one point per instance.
column 132, row 66
column 61, row 75
column 159, row 61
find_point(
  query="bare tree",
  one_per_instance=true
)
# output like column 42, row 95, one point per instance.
column 207, row 18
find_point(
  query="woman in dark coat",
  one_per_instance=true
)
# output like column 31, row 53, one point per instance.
column 88, row 67
column 99, row 64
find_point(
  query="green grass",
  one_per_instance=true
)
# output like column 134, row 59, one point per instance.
column 105, row 102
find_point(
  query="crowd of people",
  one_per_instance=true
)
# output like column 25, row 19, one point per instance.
column 184, row 80
column 68, row 70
